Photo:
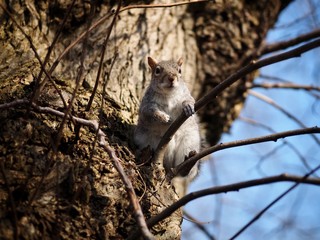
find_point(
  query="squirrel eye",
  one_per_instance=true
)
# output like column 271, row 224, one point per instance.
column 179, row 70
column 157, row 71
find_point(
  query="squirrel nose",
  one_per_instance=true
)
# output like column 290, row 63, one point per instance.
column 171, row 78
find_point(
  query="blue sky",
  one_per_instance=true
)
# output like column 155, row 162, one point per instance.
column 297, row 216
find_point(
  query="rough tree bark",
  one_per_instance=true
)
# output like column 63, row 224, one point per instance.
column 74, row 191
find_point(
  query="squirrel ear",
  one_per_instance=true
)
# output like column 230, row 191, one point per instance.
column 180, row 61
column 152, row 63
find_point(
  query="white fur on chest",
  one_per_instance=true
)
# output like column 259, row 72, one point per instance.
column 172, row 105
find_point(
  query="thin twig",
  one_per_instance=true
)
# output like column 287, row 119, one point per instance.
column 23, row 102
column 129, row 188
column 67, row 111
column 296, row 21
column 93, row 124
column 161, row 5
column 254, row 65
column 289, row 43
column 283, row 86
column 138, row 214
column 103, row 50
column 15, row 103
column 185, row 166
column 273, row 78
column 199, row 225
column 102, row 54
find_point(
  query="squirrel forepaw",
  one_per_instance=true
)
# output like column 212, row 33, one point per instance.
column 162, row 117
column 188, row 110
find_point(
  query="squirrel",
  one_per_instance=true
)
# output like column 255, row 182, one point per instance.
column 164, row 100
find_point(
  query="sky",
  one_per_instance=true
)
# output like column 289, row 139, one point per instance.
column 297, row 215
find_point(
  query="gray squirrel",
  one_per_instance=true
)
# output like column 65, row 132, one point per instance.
column 165, row 99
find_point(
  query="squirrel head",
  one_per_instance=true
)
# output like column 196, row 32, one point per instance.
column 166, row 75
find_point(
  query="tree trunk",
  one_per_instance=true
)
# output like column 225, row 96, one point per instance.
column 67, row 187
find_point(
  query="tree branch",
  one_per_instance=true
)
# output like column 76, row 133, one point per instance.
column 189, row 163
column 199, row 225
column 227, row 188
column 163, row 5
column 102, row 54
column 289, row 43
column 283, row 85
column 93, row 124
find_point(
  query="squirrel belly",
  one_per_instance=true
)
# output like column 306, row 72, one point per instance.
column 166, row 98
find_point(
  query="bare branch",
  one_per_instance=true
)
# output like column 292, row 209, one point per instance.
column 273, row 78
column 15, row 103
column 102, row 54
column 230, row 188
column 93, row 124
column 103, row 50
column 254, row 65
column 298, row 20
column 283, row 86
column 185, row 166
column 309, row 88
column 161, row 5
column 138, row 214
column 290, row 43
column 199, row 226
